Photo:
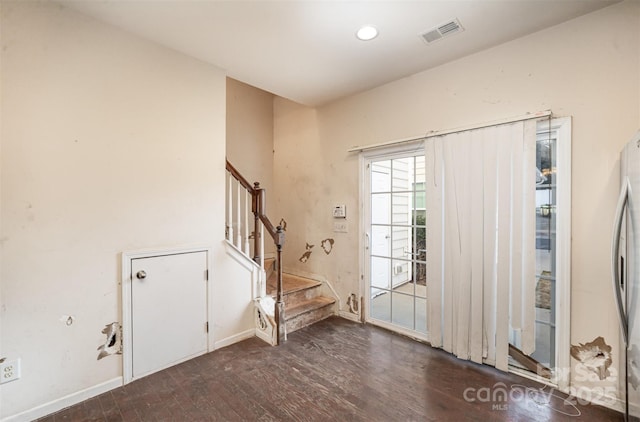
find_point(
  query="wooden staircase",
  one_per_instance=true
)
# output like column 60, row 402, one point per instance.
column 304, row 304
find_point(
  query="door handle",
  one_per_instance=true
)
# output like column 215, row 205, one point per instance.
column 615, row 251
column 141, row 275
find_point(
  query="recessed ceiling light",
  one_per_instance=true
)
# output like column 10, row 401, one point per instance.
column 367, row 33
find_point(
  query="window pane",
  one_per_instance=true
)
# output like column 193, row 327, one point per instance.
column 380, row 305
column 402, row 174
column 420, row 196
column 420, row 279
column 421, row 315
column 380, row 272
column 401, row 272
column 420, row 169
column 420, row 244
column 401, row 243
column 402, row 310
column 402, row 208
column 380, row 240
column 381, row 176
column 380, row 208
column 546, row 193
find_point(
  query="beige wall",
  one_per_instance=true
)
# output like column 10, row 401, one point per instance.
column 109, row 143
column 587, row 68
column 250, row 132
column 250, row 140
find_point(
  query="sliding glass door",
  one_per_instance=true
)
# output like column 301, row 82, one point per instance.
column 395, row 252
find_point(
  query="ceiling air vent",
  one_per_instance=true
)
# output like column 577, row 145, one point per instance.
column 442, row 31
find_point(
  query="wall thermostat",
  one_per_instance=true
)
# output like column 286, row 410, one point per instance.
column 340, row 211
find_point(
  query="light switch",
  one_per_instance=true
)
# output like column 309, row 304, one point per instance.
column 340, row 227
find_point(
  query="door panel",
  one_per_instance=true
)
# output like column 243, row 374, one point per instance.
column 169, row 310
column 395, row 221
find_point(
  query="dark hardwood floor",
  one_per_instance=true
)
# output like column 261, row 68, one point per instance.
column 335, row 370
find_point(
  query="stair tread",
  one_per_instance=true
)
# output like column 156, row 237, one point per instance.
column 307, row 306
column 291, row 284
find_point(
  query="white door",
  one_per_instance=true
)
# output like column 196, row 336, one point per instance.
column 168, row 310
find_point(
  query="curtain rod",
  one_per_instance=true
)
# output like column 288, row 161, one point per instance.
column 433, row 133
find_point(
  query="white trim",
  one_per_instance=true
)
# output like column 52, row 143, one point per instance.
column 125, row 282
column 240, row 257
column 244, row 335
column 258, row 274
column 66, row 401
column 524, row 373
column 433, row 133
column 595, row 395
column 363, row 237
column 393, row 148
column 563, row 239
column 400, row 330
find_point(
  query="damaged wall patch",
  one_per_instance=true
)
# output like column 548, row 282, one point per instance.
column 113, row 343
column 595, row 356
column 305, row 256
column 327, row 245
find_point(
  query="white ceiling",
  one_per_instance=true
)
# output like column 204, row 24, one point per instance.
column 307, row 51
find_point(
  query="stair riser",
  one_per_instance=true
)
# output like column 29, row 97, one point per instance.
column 309, row 318
column 294, row 298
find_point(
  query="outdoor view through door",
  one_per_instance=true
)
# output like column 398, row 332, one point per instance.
column 546, row 249
column 397, row 258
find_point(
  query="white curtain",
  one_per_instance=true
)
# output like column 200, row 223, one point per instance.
column 481, row 241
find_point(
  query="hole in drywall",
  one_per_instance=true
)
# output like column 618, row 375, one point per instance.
column 594, row 356
column 113, row 342
column 352, row 303
column 67, row 320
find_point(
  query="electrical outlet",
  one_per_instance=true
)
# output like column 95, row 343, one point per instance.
column 9, row 370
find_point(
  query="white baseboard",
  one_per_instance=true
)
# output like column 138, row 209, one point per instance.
column 610, row 402
column 349, row 316
column 234, row 338
column 64, row 402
